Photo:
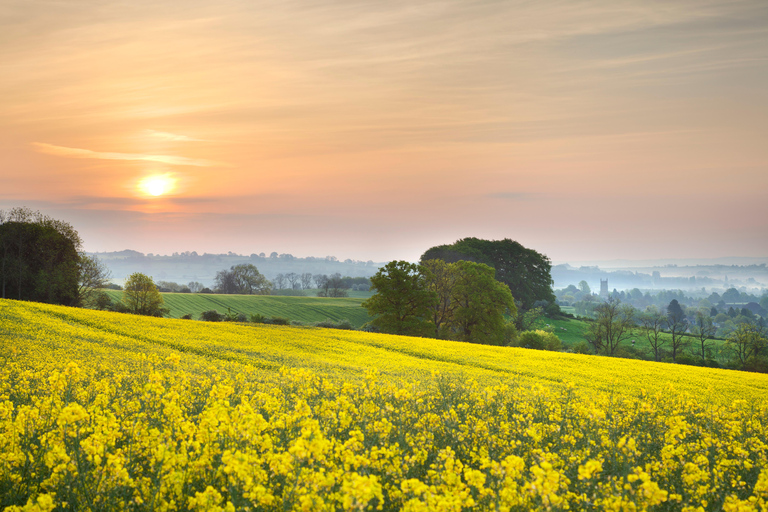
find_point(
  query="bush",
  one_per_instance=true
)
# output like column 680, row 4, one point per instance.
column 581, row 347
column 258, row 318
column 688, row 359
column 330, row 324
column 756, row 364
column 188, row 316
column 539, row 340
column 629, row 352
column 276, row 320
column 211, row 316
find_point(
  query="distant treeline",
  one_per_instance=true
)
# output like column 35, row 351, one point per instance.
column 190, row 266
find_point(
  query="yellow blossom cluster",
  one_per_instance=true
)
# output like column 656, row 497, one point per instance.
column 113, row 412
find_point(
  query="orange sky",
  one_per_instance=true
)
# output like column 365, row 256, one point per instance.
column 374, row 130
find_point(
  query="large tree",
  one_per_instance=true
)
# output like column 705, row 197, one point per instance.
column 141, row 297
column 746, row 342
column 652, row 323
column 93, row 275
column 704, row 330
column 38, row 263
column 677, row 322
column 401, row 303
column 613, row 324
column 242, row 279
column 525, row 271
column 481, row 302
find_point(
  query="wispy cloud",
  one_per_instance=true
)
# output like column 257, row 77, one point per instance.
column 87, row 153
column 172, row 136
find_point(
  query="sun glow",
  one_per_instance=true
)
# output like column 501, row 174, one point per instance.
column 157, row 184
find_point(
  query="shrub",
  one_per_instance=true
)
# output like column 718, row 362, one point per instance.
column 188, row 316
column 276, row 320
column 539, row 340
column 258, row 318
column 330, row 324
column 688, row 359
column 211, row 316
column 582, row 347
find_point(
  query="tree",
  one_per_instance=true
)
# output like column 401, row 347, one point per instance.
column 306, row 280
column 678, row 325
column 525, row 271
column 746, row 342
column 333, row 286
column 93, row 275
column 652, row 323
column 440, row 278
column 319, row 280
column 293, row 279
column 242, row 279
column 39, row 260
column 584, row 287
column 613, row 324
column 141, row 296
column 481, row 302
column 731, row 295
column 704, row 330
column 279, row 281
column 195, row 287
column 401, row 304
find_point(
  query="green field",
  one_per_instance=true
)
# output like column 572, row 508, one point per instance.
column 302, row 309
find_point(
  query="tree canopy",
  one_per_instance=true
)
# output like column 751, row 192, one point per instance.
column 525, row 271
column 401, row 304
column 460, row 301
column 242, row 279
column 141, row 296
column 38, row 263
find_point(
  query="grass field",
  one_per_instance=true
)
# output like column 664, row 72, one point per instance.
column 108, row 411
column 302, row 309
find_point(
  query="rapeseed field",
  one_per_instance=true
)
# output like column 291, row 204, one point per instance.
column 103, row 411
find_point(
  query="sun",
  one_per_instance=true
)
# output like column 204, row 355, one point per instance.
column 157, row 184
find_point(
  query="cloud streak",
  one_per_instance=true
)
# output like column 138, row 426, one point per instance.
column 51, row 149
column 174, row 137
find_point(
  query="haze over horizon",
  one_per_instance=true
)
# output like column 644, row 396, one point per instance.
column 588, row 131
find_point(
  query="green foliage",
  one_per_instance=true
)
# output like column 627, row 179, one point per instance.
column 38, row 263
column 401, row 304
column 258, row 318
column 746, row 344
column 141, row 297
column 330, row 324
column 211, row 316
column 582, row 347
column 242, row 279
column 277, row 320
column 525, row 271
column 481, row 302
column 612, row 326
column 539, row 340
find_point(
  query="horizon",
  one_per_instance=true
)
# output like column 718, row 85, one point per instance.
column 591, row 131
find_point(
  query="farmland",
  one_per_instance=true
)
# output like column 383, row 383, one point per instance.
column 301, row 309
column 109, row 411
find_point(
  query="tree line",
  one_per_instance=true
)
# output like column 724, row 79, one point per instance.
column 42, row 260
column 677, row 335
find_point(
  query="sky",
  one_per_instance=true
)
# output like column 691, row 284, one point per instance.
column 586, row 130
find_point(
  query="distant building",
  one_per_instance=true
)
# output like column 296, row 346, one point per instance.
column 604, row 288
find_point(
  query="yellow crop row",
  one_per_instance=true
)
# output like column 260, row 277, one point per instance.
column 101, row 411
